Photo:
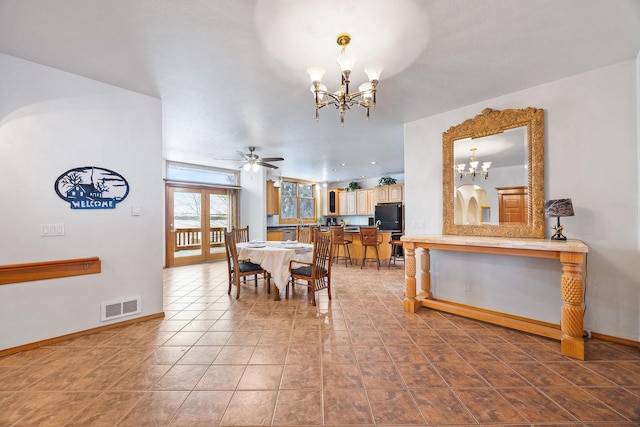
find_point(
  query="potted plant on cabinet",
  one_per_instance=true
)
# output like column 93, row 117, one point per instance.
column 386, row 180
column 353, row 186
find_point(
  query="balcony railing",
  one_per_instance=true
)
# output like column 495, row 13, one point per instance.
column 191, row 238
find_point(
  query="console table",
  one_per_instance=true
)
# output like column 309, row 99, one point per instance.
column 571, row 253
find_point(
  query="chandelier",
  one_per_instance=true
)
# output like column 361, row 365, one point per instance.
column 343, row 99
column 473, row 167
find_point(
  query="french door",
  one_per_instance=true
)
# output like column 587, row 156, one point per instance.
column 196, row 219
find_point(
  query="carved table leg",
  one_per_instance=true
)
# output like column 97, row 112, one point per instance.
column 572, row 289
column 425, row 277
column 411, row 304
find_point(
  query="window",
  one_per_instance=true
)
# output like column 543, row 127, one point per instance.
column 298, row 202
column 183, row 172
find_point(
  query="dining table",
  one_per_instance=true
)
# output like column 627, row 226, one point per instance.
column 274, row 257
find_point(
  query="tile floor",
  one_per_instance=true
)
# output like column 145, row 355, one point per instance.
column 357, row 360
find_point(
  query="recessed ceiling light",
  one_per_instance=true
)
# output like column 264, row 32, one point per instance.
column 343, row 164
column 373, row 163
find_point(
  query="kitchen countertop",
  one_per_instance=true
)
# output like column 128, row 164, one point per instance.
column 347, row 229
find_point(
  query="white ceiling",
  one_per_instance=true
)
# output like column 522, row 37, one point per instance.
column 232, row 73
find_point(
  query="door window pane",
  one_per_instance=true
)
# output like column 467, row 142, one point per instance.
column 187, row 209
column 218, row 221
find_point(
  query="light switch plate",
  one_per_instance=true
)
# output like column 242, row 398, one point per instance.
column 51, row 230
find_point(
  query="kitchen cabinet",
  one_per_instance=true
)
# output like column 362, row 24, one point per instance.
column 372, row 201
column 395, row 193
column 351, row 203
column 323, row 202
column 389, row 193
column 331, row 205
column 343, row 208
column 274, row 235
column 273, row 199
column 347, row 203
column 362, row 202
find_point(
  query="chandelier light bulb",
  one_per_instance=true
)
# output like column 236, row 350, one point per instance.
column 365, row 88
column 316, row 72
column 346, row 61
column 374, row 71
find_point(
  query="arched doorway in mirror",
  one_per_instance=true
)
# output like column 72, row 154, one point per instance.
column 471, row 205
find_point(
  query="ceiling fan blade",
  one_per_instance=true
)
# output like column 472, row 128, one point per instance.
column 271, row 159
column 267, row 165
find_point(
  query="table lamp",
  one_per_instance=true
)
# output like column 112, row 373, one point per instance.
column 558, row 208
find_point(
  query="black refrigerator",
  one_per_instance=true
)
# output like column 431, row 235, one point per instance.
column 390, row 216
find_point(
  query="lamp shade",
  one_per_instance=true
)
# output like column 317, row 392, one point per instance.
column 316, row 72
column 346, row 61
column 373, row 71
column 558, row 208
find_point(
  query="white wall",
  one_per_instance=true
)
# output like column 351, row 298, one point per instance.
column 253, row 203
column 50, row 122
column 591, row 156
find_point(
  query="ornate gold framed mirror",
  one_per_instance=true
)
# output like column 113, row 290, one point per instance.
column 493, row 175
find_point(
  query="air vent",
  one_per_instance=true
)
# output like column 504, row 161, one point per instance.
column 116, row 309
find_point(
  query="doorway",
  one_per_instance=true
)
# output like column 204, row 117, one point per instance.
column 196, row 220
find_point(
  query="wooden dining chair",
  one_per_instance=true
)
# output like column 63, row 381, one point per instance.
column 241, row 234
column 338, row 240
column 317, row 273
column 304, row 235
column 314, row 229
column 369, row 239
column 241, row 268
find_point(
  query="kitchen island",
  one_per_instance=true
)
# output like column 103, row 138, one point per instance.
column 384, row 250
column 352, row 232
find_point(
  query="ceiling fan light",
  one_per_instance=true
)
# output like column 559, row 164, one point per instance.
column 247, row 167
column 255, row 167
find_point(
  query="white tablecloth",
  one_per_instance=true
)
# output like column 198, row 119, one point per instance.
column 275, row 256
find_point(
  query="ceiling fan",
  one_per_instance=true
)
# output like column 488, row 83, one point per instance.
column 253, row 161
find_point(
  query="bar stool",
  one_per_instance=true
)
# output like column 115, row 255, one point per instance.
column 338, row 240
column 369, row 239
column 396, row 245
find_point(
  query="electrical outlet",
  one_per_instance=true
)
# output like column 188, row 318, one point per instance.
column 586, row 333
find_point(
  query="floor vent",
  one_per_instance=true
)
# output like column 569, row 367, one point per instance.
column 113, row 310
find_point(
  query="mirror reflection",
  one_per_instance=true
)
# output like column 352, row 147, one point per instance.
column 490, row 175
column 493, row 175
